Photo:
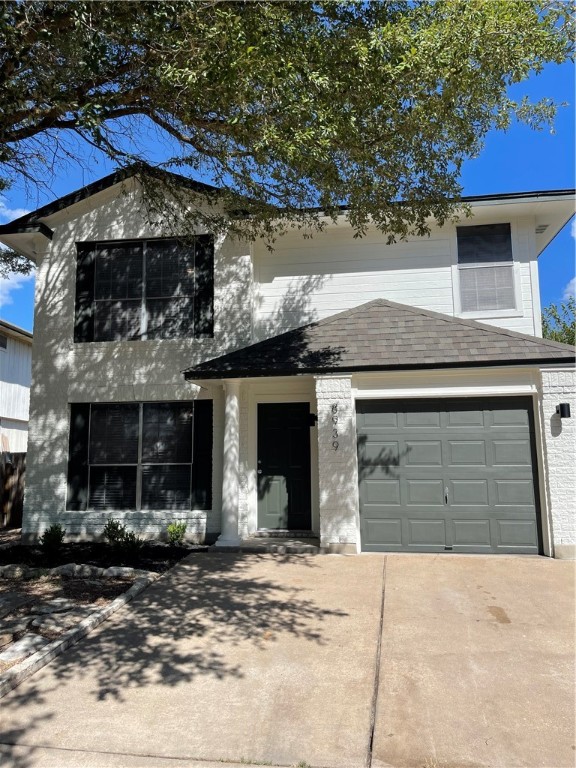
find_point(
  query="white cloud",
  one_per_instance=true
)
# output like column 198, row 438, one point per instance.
column 7, row 214
column 570, row 289
column 10, row 284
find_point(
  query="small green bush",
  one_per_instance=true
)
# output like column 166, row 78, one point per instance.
column 125, row 542
column 114, row 531
column 130, row 544
column 176, row 533
column 52, row 539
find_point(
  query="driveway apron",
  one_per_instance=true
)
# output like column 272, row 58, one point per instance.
column 477, row 663
column 228, row 657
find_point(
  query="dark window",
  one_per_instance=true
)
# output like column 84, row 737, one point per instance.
column 485, row 268
column 147, row 289
column 3, row 341
column 140, row 456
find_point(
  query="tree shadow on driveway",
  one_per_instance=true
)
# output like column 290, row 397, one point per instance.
column 181, row 629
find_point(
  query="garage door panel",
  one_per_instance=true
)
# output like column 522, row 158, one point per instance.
column 377, row 452
column 382, row 492
column 466, row 452
column 428, row 492
column 376, row 420
column 419, row 419
column 505, row 417
column 469, row 493
column 515, row 492
column 516, row 533
column 471, row 533
column 465, row 418
column 422, row 533
column 480, row 451
column 383, row 533
column 512, row 453
column 423, row 453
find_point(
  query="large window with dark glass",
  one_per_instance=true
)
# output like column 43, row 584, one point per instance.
column 486, row 268
column 140, row 456
column 144, row 289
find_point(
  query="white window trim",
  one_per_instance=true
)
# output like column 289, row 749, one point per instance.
column 518, row 310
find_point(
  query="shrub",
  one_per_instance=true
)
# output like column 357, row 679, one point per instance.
column 130, row 544
column 52, row 539
column 125, row 542
column 114, row 531
column 176, row 533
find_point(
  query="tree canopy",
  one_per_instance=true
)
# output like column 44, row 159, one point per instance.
column 559, row 322
column 293, row 108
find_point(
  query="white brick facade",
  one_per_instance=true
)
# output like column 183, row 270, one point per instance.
column 337, row 464
column 559, row 458
column 64, row 372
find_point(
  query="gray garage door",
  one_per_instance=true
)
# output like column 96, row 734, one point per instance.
column 447, row 475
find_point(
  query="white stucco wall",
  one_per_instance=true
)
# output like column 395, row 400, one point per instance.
column 559, row 457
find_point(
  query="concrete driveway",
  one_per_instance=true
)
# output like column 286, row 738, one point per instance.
column 341, row 662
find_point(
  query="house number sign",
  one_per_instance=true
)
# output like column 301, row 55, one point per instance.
column 335, row 426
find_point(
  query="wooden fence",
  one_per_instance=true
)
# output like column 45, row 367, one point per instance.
column 12, row 477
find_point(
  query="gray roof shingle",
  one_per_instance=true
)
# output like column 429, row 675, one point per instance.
column 383, row 335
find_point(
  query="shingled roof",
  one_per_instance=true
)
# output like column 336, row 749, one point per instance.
column 382, row 335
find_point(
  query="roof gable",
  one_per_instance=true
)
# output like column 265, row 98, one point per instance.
column 383, row 335
column 32, row 220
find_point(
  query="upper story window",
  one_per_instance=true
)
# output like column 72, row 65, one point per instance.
column 145, row 289
column 3, row 341
column 486, row 268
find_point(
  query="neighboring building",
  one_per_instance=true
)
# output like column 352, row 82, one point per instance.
column 384, row 397
column 15, row 377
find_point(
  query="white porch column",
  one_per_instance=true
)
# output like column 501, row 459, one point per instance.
column 337, row 465
column 231, row 466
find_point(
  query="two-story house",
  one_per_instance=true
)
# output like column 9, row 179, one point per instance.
column 381, row 397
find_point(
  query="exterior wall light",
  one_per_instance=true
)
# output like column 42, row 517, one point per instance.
column 563, row 410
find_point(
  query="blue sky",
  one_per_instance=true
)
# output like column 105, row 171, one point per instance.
column 517, row 161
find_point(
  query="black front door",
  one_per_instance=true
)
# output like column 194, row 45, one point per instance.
column 284, row 466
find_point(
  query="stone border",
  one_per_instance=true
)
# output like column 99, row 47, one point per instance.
column 28, row 666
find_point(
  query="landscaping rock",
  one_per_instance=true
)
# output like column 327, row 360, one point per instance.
column 60, row 622
column 57, row 605
column 15, row 626
column 67, row 571
column 11, row 601
column 22, row 648
column 87, row 571
column 35, row 573
column 120, row 572
column 5, row 638
column 13, row 571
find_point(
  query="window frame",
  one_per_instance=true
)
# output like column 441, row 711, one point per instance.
column 201, row 299
column 514, row 265
column 198, row 421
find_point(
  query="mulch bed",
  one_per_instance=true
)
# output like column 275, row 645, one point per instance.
column 151, row 557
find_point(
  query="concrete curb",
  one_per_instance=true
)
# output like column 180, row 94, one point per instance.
column 24, row 669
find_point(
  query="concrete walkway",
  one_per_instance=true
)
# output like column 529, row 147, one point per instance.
column 285, row 660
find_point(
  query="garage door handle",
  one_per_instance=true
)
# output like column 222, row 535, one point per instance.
column 446, row 495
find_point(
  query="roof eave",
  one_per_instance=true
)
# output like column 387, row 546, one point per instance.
column 238, row 373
